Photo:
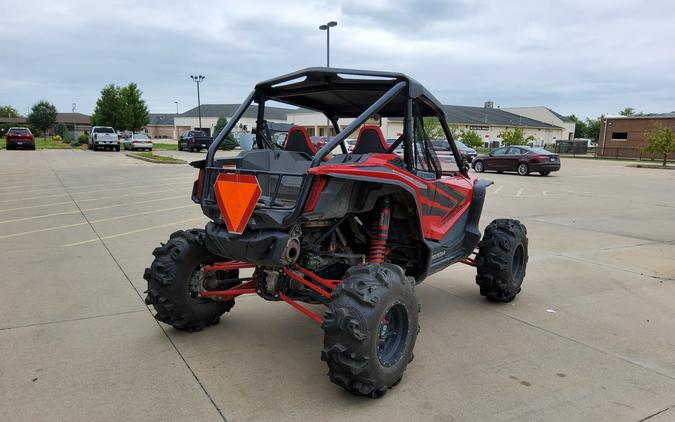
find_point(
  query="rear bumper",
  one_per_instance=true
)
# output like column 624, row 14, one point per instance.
column 264, row 247
column 106, row 143
column 545, row 166
column 25, row 143
column 139, row 146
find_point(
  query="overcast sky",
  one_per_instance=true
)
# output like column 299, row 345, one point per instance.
column 582, row 57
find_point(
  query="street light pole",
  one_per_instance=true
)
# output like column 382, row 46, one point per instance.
column 327, row 28
column 198, row 79
column 176, row 102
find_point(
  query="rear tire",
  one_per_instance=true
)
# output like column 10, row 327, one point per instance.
column 479, row 166
column 370, row 329
column 502, row 260
column 173, row 283
column 523, row 169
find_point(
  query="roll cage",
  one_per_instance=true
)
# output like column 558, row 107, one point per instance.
column 340, row 93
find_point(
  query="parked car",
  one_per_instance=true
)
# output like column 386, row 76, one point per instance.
column 194, row 140
column 19, row 137
column 468, row 153
column 521, row 159
column 445, row 155
column 103, row 137
column 138, row 141
column 442, row 145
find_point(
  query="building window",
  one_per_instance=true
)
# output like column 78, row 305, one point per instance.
column 619, row 136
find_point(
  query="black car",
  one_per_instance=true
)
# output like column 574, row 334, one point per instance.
column 194, row 140
column 518, row 158
column 467, row 153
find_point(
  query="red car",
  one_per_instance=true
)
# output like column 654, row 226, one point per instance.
column 20, row 137
column 519, row 158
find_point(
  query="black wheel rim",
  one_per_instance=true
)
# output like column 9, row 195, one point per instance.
column 518, row 263
column 392, row 334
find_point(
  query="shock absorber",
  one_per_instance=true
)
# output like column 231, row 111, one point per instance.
column 379, row 233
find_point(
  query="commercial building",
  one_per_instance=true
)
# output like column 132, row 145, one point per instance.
column 487, row 121
column 546, row 115
column 212, row 112
column 622, row 136
column 161, row 125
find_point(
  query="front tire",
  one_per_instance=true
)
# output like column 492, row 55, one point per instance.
column 175, row 279
column 370, row 329
column 479, row 166
column 502, row 260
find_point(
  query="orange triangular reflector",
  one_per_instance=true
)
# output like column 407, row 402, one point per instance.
column 237, row 195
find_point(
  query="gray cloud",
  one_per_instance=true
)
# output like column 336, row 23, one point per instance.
column 577, row 57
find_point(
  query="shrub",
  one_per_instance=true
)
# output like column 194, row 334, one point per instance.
column 229, row 143
column 75, row 143
column 83, row 138
column 57, row 138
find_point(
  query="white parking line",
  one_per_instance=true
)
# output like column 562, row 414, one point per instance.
column 82, row 200
column 66, row 192
column 131, row 232
column 498, row 189
column 119, row 217
column 520, row 192
column 89, row 209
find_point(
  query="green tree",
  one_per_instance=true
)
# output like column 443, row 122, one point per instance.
column 580, row 127
column 471, row 138
column 627, row 111
column 229, row 142
column 515, row 137
column 660, row 140
column 432, row 128
column 134, row 106
column 110, row 109
column 8, row 111
column 592, row 128
column 42, row 115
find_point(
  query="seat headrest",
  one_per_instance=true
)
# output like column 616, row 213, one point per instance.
column 298, row 141
column 370, row 141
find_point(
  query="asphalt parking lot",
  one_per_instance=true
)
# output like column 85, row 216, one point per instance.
column 591, row 337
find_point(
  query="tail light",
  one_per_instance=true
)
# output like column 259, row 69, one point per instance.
column 539, row 158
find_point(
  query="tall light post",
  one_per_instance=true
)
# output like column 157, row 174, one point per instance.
column 198, row 79
column 175, row 128
column 327, row 28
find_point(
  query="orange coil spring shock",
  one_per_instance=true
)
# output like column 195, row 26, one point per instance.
column 379, row 234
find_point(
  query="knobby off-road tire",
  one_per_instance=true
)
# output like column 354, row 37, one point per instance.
column 370, row 329
column 502, row 260
column 171, row 286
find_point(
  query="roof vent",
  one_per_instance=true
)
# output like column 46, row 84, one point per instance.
column 489, row 104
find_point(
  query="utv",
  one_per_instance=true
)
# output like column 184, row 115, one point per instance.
column 352, row 231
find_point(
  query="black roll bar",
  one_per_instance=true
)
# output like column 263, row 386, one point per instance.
column 210, row 155
column 374, row 108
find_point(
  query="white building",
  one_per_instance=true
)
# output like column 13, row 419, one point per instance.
column 546, row 115
column 487, row 121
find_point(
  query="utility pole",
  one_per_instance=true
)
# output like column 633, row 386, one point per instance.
column 198, row 79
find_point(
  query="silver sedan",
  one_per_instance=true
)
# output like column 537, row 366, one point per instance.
column 138, row 141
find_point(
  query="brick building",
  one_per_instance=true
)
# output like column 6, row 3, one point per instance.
column 622, row 136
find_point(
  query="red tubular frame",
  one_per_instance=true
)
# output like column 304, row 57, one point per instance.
column 301, row 308
column 250, row 285
column 227, row 266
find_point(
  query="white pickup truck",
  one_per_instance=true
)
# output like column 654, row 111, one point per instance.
column 103, row 137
